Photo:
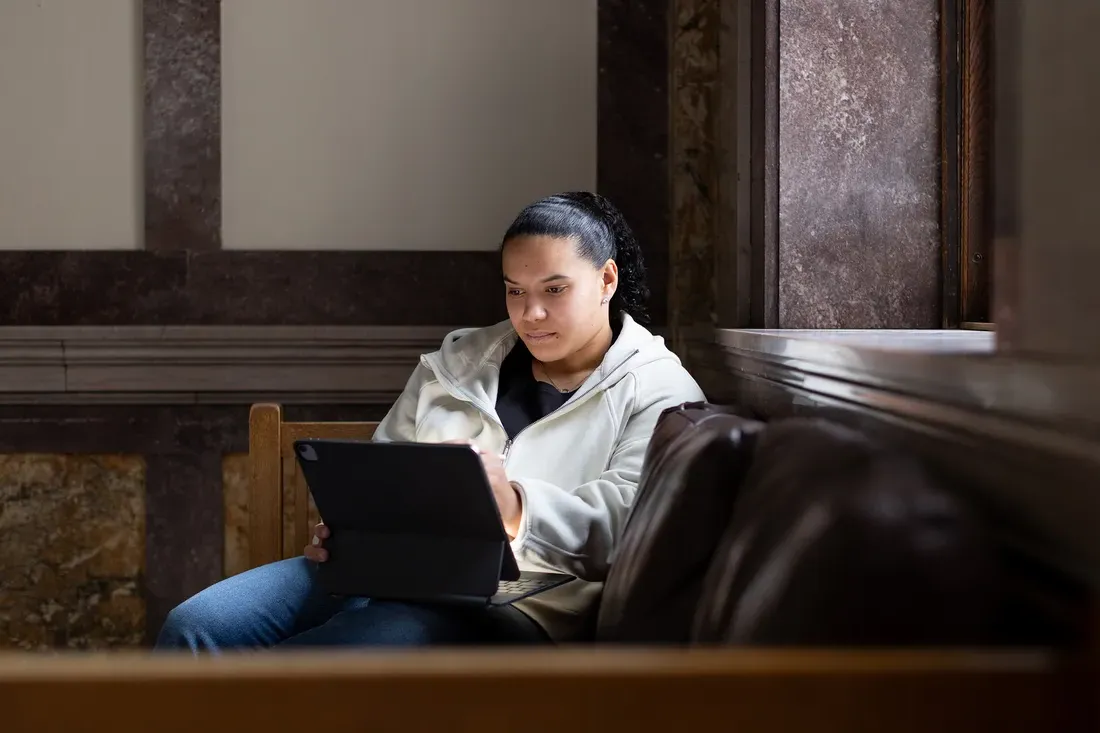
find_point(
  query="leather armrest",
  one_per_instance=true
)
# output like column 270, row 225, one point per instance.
column 694, row 464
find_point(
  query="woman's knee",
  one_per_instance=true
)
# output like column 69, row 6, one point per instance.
column 184, row 625
column 256, row 608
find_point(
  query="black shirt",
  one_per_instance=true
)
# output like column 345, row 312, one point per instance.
column 522, row 399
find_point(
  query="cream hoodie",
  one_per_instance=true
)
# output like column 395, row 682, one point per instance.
column 577, row 468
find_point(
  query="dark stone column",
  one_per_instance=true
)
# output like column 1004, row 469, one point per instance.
column 859, row 241
column 183, row 174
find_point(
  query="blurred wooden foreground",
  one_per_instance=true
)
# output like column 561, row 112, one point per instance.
column 591, row 689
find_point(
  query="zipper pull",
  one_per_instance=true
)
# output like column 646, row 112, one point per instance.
column 507, row 448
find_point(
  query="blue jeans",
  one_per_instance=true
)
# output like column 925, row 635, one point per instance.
column 280, row 605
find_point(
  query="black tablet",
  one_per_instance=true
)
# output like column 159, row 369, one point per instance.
column 406, row 520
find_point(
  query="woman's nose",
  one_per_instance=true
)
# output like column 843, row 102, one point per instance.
column 533, row 312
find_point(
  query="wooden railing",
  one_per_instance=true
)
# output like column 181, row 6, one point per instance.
column 573, row 690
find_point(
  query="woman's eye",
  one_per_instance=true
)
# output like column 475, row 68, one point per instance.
column 556, row 289
column 515, row 293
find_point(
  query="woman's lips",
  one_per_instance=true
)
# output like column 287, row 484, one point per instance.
column 538, row 336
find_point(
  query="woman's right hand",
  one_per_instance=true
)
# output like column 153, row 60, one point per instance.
column 316, row 551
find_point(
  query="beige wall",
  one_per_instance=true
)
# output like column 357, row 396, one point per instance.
column 70, row 124
column 401, row 124
column 372, row 124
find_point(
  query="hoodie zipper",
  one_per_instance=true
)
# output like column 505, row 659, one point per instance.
column 564, row 409
column 448, row 384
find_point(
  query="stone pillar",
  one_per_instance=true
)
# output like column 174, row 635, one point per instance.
column 712, row 173
column 859, row 236
column 804, row 159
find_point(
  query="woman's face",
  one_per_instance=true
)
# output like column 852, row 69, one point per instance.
column 555, row 297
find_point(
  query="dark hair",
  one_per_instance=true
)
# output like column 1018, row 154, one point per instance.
column 601, row 234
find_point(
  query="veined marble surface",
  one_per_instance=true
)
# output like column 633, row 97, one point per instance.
column 859, row 151
column 72, row 543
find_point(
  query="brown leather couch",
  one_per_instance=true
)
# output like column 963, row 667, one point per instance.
column 796, row 532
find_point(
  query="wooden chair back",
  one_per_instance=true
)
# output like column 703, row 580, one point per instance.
column 281, row 510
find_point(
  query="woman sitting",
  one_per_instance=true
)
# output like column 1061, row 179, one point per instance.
column 560, row 401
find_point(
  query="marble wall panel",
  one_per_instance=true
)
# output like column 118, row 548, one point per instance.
column 72, row 551
column 859, row 236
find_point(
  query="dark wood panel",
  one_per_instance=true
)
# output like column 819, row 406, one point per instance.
column 966, row 40
column 950, row 99
column 976, row 112
column 764, row 165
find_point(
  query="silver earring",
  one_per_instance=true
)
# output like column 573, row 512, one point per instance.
column 604, row 301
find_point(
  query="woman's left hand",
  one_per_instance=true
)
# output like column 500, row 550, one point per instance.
column 507, row 496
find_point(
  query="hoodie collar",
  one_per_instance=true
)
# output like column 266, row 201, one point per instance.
column 469, row 359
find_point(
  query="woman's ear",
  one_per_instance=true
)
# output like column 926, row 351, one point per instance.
column 610, row 276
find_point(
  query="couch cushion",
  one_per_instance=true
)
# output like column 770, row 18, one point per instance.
column 694, row 464
column 838, row 540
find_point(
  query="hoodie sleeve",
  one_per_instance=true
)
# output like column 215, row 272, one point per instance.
column 399, row 424
column 574, row 528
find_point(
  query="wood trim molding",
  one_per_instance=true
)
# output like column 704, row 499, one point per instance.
column 950, row 153
column 975, row 177
column 764, row 163
column 212, row 364
column 1020, row 437
column 966, row 93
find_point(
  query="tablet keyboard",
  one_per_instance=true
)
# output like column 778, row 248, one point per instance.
column 524, row 585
